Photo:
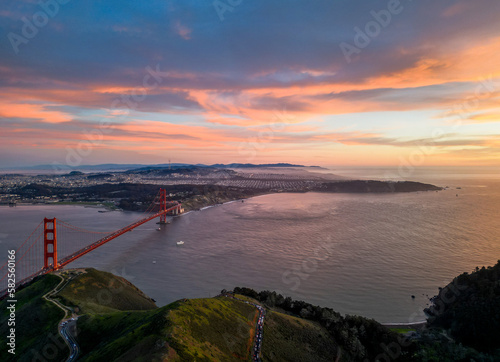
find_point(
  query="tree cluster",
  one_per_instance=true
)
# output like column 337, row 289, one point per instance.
column 360, row 338
column 469, row 307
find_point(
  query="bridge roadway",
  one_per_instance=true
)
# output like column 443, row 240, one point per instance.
column 104, row 240
column 68, row 259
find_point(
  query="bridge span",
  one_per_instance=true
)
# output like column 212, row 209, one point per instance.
column 40, row 253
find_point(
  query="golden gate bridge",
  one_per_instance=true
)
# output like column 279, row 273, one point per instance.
column 55, row 243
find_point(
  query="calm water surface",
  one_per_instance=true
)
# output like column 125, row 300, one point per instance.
column 359, row 254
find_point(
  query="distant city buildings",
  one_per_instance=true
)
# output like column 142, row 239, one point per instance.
column 31, row 186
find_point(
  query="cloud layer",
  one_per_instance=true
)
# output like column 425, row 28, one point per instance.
column 261, row 81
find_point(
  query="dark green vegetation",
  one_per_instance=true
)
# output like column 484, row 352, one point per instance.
column 192, row 197
column 212, row 195
column 435, row 345
column 119, row 323
column 357, row 186
column 122, row 336
column 356, row 338
column 469, row 309
column 137, row 197
column 36, row 324
column 218, row 329
column 463, row 327
column 190, row 330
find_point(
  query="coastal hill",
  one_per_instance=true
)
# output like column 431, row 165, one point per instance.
column 117, row 322
column 36, row 323
column 371, row 186
column 469, row 309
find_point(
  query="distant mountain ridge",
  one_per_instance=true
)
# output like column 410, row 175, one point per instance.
column 251, row 165
column 135, row 167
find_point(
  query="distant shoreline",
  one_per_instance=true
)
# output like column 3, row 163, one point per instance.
column 90, row 205
column 212, row 199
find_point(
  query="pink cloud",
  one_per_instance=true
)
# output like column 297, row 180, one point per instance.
column 35, row 111
column 182, row 30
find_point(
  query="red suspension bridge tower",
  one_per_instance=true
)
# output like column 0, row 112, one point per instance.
column 63, row 243
column 163, row 206
column 50, row 243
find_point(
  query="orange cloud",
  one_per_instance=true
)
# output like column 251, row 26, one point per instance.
column 468, row 64
column 35, row 111
column 256, row 108
column 485, row 117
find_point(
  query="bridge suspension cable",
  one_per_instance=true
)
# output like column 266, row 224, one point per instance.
column 58, row 242
column 27, row 259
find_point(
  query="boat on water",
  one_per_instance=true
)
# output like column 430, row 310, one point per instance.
column 180, row 242
column 154, row 261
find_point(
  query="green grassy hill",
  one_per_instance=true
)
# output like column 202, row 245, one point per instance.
column 94, row 291
column 218, row 329
column 117, row 322
column 123, row 336
column 36, row 324
column 288, row 338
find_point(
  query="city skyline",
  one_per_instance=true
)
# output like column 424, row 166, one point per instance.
column 324, row 83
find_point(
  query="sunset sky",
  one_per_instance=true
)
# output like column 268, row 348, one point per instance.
column 337, row 82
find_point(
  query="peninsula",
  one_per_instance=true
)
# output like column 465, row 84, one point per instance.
column 196, row 186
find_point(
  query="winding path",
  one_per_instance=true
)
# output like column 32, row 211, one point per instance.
column 66, row 325
column 410, row 325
